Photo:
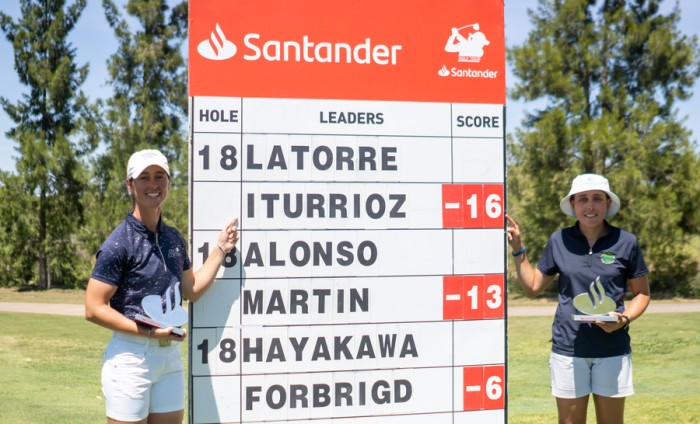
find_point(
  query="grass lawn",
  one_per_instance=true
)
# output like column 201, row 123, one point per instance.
column 52, row 370
column 666, row 355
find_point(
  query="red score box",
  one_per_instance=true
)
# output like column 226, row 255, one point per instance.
column 483, row 387
column 472, row 297
column 472, row 206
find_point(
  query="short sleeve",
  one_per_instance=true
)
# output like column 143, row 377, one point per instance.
column 110, row 263
column 637, row 266
column 546, row 264
column 186, row 261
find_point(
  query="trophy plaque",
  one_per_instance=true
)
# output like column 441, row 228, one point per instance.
column 174, row 315
column 594, row 305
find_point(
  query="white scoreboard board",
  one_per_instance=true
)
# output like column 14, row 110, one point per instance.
column 361, row 145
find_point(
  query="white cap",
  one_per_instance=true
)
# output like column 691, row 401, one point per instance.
column 588, row 182
column 143, row 159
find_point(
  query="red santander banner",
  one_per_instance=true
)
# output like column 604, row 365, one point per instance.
column 354, row 50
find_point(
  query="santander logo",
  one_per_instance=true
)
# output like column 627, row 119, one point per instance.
column 306, row 49
column 217, row 47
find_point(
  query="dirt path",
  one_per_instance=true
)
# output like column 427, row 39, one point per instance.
column 79, row 310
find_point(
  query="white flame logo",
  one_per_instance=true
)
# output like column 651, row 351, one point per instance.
column 595, row 302
column 444, row 71
column 174, row 314
column 217, row 47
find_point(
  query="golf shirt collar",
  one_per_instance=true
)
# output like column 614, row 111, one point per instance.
column 141, row 227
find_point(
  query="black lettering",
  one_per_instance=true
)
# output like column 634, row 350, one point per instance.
column 298, row 346
column 299, row 201
column 299, row 300
column 273, row 255
column 276, row 351
column 367, row 158
column 300, row 150
column 252, row 305
column 277, row 159
column 367, row 253
column 396, row 211
column 389, row 159
column 297, row 394
column 409, row 347
column 250, row 396
column 365, row 348
column 407, row 392
column 281, row 396
column 343, row 391
column 276, row 303
column 321, row 295
column 306, row 253
column 321, row 395
column 253, row 256
column 327, row 154
column 341, row 347
column 381, row 392
column 249, row 350
column 381, row 206
column 321, row 350
column 359, row 300
column 250, row 158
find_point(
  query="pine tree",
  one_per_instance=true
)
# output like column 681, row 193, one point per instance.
column 148, row 109
column 609, row 73
column 54, row 129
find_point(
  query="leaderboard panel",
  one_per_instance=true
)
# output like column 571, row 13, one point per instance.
column 360, row 394
column 345, row 266
column 365, row 162
column 350, row 300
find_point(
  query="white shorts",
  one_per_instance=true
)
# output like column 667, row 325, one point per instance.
column 574, row 377
column 140, row 377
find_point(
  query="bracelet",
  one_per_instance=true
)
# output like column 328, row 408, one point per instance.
column 627, row 320
column 221, row 248
column 519, row 252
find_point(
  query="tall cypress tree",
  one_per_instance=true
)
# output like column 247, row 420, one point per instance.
column 148, row 108
column 609, row 73
column 54, row 128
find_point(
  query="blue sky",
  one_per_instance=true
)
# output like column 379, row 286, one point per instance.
column 95, row 41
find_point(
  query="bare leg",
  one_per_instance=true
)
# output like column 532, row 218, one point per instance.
column 572, row 411
column 113, row 421
column 166, row 417
column 609, row 410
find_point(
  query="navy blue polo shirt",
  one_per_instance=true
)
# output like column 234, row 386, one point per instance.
column 140, row 263
column 615, row 258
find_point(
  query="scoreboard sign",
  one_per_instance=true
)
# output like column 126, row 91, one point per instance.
column 361, row 145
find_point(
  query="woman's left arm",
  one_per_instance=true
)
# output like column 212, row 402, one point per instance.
column 195, row 284
column 641, row 296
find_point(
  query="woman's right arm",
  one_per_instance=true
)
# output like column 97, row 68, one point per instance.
column 98, row 310
column 531, row 278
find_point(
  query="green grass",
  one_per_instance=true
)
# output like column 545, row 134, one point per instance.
column 32, row 295
column 666, row 355
column 51, row 370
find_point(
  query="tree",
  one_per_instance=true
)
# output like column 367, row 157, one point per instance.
column 609, row 73
column 54, row 129
column 147, row 110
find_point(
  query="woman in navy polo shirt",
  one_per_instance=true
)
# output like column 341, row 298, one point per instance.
column 142, row 270
column 596, row 264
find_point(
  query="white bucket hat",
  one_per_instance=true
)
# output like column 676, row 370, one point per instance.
column 142, row 160
column 587, row 182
